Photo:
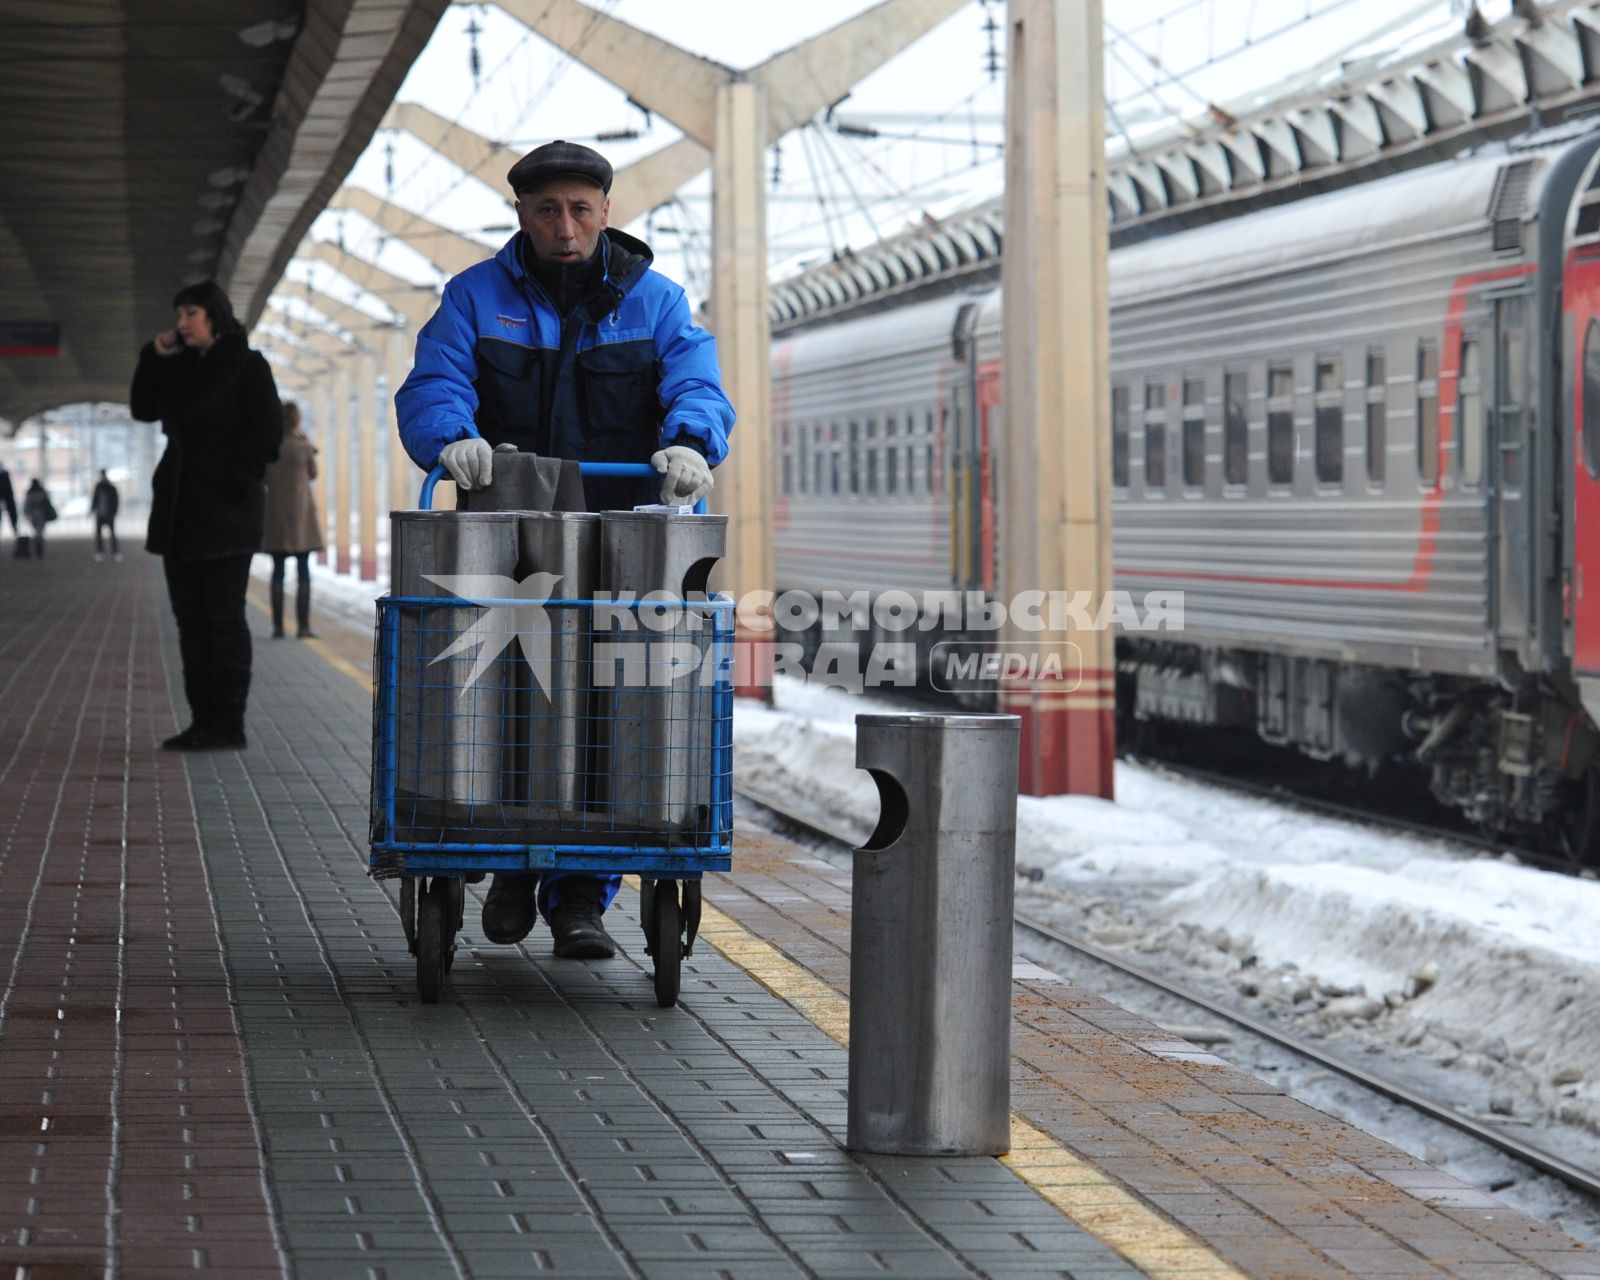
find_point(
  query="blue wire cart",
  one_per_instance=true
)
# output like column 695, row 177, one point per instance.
column 527, row 735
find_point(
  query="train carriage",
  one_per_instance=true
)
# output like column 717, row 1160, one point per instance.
column 1354, row 431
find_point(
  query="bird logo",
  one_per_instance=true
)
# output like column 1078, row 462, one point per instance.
column 516, row 610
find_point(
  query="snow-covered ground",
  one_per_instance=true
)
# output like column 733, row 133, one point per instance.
column 1474, row 978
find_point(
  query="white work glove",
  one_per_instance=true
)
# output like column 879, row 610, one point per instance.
column 470, row 462
column 688, row 476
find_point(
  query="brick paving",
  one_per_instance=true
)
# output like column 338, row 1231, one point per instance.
column 126, row 1131
column 274, row 1099
column 212, row 1060
column 1276, row 1187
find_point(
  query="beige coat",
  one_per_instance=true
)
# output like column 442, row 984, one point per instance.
column 291, row 525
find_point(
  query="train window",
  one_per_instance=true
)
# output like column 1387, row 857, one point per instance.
column 1469, row 413
column 1155, row 436
column 786, row 482
column 1377, row 415
column 1236, row 427
column 1155, row 457
column 1428, row 412
column 1329, row 422
column 891, row 471
column 1119, row 437
column 1280, row 424
column 834, row 469
column 818, row 459
column 1591, row 400
column 1194, row 432
column 854, row 445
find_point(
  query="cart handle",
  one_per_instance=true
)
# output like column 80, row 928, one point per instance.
column 637, row 470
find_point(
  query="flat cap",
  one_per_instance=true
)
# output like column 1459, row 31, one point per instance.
column 560, row 160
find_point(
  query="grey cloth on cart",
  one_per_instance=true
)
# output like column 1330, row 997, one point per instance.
column 527, row 482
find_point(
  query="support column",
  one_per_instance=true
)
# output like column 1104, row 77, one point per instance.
column 1056, row 468
column 324, row 439
column 404, row 475
column 368, row 412
column 339, row 454
column 739, row 317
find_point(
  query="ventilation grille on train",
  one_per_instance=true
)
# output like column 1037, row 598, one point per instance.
column 1505, row 205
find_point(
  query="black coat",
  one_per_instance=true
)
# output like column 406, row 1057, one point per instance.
column 223, row 423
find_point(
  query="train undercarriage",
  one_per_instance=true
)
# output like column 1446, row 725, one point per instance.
column 1521, row 764
column 1517, row 762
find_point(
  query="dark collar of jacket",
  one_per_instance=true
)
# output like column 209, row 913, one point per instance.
column 211, row 373
column 624, row 260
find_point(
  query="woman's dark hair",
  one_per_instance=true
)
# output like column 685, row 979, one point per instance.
column 208, row 296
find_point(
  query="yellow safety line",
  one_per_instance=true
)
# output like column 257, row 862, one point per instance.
column 1080, row 1191
column 338, row 663
column 326, row 654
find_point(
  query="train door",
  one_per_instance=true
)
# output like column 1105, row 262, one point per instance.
column 1582, row 288
column 1509, row 442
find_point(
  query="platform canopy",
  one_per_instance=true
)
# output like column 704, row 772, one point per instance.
column 146, row 143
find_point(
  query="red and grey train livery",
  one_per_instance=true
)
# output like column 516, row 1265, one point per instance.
column 1360, row 433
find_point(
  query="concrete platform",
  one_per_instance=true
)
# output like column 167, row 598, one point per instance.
column 212, row 1059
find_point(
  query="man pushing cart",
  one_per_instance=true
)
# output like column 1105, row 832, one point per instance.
column 566, row 344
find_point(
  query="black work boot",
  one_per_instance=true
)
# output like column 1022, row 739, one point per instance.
column 508, row 910
column 575, row 921
column 277, row 609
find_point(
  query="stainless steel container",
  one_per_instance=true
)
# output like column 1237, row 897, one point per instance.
column 450, row 730
column 555, row 747
column 652, row 669
column 930, row 937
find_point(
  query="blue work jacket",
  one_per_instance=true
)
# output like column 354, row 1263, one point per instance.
column 626, row 373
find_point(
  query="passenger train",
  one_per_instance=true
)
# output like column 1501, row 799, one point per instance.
column 1359, row 432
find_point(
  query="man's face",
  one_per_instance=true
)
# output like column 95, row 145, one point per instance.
column 563, row 219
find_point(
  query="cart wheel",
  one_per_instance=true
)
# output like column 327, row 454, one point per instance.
column 433, row 941
column 666, row 943
column 408, row 913
column 456, row 893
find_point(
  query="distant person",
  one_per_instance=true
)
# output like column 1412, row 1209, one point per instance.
column 292, row 527
column 39, row 511
column 103, row 505
column 218, row 407
column 8, row 498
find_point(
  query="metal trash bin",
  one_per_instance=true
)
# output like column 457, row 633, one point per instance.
column 655, row 703
column 554, row 763
column 450, row 728
column 931, row 937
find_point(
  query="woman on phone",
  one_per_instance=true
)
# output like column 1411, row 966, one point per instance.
column 218, row 407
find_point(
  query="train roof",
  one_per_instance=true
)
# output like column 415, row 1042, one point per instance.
column 880, row 335
column 1414, row 206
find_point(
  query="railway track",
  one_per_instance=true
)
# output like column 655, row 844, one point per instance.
column 1548, row 1162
